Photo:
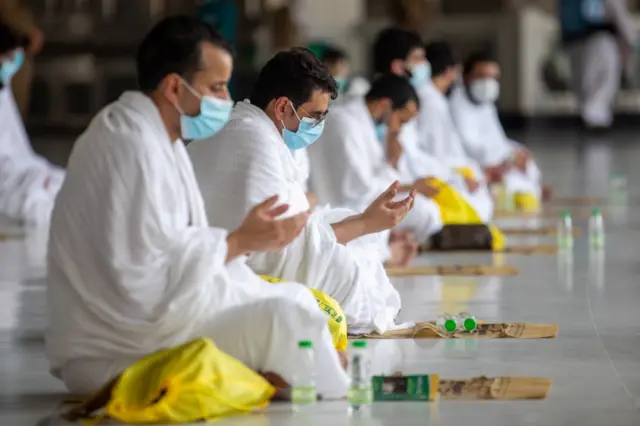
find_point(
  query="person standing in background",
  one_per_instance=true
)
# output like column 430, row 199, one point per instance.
column 600, row 37
column 16, row 15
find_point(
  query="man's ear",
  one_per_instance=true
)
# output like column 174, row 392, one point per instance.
column 280, row 107
column 386, row 105
column 170, row 86
column 398, row 67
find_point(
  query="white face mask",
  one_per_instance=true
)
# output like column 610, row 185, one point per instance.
column 485, row 90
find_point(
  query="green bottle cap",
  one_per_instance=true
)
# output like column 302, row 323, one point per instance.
column 361, row 344
column 596, row 212
column 305, row 344
column 565, row 214
column 450, row 325
column 470, row 324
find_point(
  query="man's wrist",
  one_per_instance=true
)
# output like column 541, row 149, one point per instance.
column 235, row 246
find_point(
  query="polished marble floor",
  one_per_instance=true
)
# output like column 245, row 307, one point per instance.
column 593, row 296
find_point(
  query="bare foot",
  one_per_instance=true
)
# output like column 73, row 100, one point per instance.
column 278, row 382
column 344, row 359
column 403, row 249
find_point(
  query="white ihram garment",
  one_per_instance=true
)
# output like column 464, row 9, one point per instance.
column 301, row 156
column 135, row 268
column 28, row 183
column 248, row 162
column 349, row 169
column 438, row 136
column 485, row 141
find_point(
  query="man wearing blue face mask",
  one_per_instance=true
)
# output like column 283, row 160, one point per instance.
column 133, row 265
column 357, row 155
column 339, row 251
column 28, row 183
column 401, row 52
column 435, row 135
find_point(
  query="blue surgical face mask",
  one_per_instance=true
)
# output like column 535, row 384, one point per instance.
column 309, row 130
column 214, row 114
column 342, row 83
column 11, row 66
column 420, row 74
column 381, row 131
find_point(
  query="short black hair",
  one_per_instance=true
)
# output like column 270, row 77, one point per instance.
column 333, row 54
column 475, row 59
column 293, row 73
column 393, row 87
column 174, row 45
column 392, row 44
column 10, row 40
column 441, row 57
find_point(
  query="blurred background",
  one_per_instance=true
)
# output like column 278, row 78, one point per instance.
column 87, row 59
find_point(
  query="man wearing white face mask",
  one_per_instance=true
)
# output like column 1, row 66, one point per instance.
column 251, row 158
column 28, row 182
column 133, row 265
column 475, row 115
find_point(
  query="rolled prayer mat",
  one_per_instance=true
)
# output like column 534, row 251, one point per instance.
column 577, row 201
column 509, row 330
column 524, row 250
column 546, row 214
column 495, row 388
column 543, row 231
column 452, row 270
column 11, row 236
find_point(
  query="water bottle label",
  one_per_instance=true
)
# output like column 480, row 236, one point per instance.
column 303, row 395
column 360, row 395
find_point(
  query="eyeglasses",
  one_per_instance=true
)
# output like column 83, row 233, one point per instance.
column 316, row 119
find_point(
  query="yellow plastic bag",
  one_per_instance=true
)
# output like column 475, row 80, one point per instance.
column 337, row 321
column 455, row 210
column 189, row 383
column 465, row 172
column 526, row 202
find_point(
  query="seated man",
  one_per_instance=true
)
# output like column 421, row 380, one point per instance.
column 437, row 134
column 338, row 251
column 28, row 182
column 349, row 165
column 401, row 52
column 476, row 117
column 337, row 62
column 134, row 267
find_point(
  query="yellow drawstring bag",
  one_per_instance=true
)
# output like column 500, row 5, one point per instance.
column 455, row 210
column 189, row 383
column 337, row 321
column 526, row 202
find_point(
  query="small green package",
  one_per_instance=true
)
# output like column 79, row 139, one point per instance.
column 405, row 388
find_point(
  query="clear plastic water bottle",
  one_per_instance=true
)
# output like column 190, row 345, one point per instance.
column 360, row 393
column 504, row 198
column 617, row 189
column 467, row 322
column 596, row 230
column 565, row 231
column 447, row 324
column 303, row 392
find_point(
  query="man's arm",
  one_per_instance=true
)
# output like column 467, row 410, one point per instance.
column 350, row 229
